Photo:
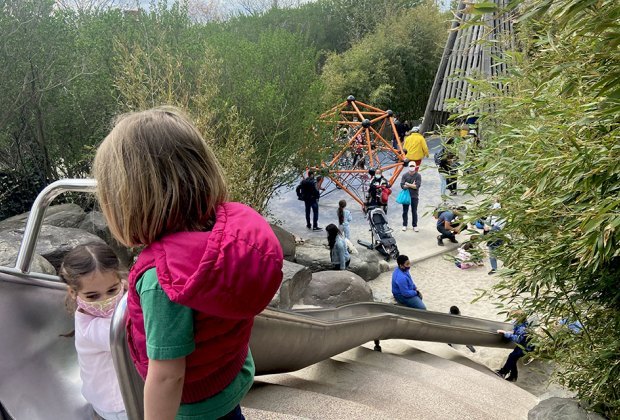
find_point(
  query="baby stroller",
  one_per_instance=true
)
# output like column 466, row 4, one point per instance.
column 381, row 234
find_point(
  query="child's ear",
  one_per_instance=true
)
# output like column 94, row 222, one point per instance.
column 125, row 284
column 72, row 292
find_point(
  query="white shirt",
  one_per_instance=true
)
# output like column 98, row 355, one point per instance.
column 99, row 382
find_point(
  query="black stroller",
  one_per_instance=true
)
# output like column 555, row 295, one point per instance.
column 381, row 234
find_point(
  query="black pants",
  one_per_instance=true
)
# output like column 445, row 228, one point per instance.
column 445, row 233
column 451, row 179
column 510, row 366
column 414, row 212
column 314, row 205
column 235, row 414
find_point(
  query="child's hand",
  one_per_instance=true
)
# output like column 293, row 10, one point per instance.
column 501, row 331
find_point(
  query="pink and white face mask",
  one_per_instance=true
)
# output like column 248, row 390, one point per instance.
column 102, row 308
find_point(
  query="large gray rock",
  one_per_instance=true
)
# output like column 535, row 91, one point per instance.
column 287, row 241
column 95, row 223
column 561, row 409
column 294, row 282
column 8, row 256
column 53, row 242
column 63, row 215
column 334, row 288
column 314, row 254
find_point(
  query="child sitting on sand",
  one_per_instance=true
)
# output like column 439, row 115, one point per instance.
column 468, row 257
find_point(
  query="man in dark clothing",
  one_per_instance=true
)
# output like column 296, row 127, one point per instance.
column 411, row 181
column 400, row 130
column 309, row 192
column 447, row 225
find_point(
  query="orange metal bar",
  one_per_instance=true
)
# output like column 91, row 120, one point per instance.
column 379, row 119
column 359, row 113
column 389, row 146
column 396, row 174
column 364, row 112
column 399, row 141
column 369, row 144
column 345, row 189
column 369, row 106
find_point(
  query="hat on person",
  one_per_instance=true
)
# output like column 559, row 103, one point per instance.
column 412, row 164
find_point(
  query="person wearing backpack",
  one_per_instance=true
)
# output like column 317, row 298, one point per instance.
column 411, row 181
column 308, row 192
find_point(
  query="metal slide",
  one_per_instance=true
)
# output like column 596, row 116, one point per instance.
column 39, row 375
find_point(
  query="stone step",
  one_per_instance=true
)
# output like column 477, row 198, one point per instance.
column 362, row 383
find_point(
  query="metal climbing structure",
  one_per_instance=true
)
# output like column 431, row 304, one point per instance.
column 366, row 138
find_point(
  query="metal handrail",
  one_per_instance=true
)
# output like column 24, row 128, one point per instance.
column 33, row 228
column 129, row 381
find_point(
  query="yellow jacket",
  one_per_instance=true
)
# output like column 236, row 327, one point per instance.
column 415, row 143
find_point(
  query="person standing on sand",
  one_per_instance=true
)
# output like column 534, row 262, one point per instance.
column 411, row 181
column 404, row 290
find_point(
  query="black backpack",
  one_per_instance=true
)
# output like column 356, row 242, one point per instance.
column 300, row 192
column 438, row 157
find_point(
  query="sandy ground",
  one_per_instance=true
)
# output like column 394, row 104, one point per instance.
column 444, row 285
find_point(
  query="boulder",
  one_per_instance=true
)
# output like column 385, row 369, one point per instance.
column 294, row 282
column 95, row 223
column 329, row 289
column 314, row 254
column 8, row 257
column 287, row 241
column 561, row 409
column 62, row 215
column 53, row 242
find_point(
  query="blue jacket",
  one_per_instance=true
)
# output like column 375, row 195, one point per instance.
column 340, row 253
column 519, row 335
column 402, row 284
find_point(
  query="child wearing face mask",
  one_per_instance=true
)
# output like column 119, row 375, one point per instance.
column 95, row 287
column 403, row 288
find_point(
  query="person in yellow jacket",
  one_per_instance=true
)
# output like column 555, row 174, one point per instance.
column 416, row 147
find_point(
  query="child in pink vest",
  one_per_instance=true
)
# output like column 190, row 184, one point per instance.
column 208, row 266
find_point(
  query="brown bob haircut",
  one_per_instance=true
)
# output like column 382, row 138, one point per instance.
column 156, row 175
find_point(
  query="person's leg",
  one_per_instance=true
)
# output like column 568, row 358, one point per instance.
column 442, row 179
column 346, row 231
column 516, row 354
column 235, row 414
column 315, row 213
column 414, row 211
column 445, row 233
column 418, row 162
column 405, row 214
column 308, row 205
column 412, row 302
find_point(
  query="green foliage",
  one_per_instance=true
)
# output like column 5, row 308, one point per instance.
column 551, row 155
column 394, row 66
column 274, row 84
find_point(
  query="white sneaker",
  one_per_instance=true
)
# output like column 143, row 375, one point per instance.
column 404, row 228
column 416, row 229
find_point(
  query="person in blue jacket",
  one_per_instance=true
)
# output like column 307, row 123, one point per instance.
column 403, row 288
column 519, row 336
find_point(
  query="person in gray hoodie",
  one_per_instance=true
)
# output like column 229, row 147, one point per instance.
column 411, row 181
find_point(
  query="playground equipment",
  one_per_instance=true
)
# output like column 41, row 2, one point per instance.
column 39, row 374
column 366, row 138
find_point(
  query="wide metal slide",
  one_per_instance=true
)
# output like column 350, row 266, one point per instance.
column 39, row 375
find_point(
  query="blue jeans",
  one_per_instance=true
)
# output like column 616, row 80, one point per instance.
column 345, row 231
column 314, row 205
column 444, row 183
column 235, row 414
column 413, row 302
column 414, row 212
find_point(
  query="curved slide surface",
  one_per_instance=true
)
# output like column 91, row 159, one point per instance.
column 285, row 341
column 40, row 376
